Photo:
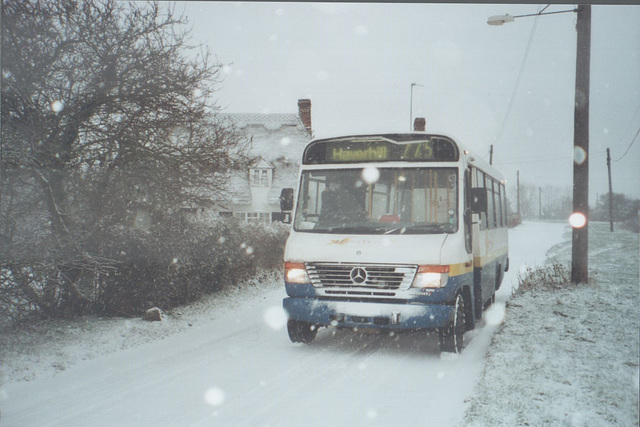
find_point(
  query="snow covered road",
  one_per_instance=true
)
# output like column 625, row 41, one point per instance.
column 239, row 369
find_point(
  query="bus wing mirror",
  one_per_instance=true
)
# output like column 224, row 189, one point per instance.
column 478, row 200
column 286, row 200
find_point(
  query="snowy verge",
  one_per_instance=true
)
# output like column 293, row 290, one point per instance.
column 46, row 348
column 568, row 356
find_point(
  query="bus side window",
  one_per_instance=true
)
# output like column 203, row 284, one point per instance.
column 498, row 189
column 480, row 184
column 504, row 205
column 491, row 214
column 496, row 210
column 498, row 203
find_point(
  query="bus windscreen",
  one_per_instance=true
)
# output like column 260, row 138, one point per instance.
column 399, row 200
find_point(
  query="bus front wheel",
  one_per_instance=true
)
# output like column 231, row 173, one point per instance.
column 300, row 331
column 451, row 336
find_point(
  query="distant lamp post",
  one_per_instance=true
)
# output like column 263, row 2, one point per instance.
column 580, row 216
column 411, row 106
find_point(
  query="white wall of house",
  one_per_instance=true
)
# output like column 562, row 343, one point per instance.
column 278, row 141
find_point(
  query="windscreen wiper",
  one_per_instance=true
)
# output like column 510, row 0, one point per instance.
column 397, row 230
column 418, row 228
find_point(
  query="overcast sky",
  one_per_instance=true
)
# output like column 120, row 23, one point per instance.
column 356, row 63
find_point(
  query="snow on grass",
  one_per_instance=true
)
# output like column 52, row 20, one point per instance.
column 567, row 355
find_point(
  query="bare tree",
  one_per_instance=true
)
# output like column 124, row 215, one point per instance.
column 528, row 201
column 556, row 202
column 108, row 120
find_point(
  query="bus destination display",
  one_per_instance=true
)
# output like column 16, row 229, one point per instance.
column 362, row 150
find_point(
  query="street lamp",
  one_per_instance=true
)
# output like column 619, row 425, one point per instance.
column 580, row 237
column 411, row 106
column 503, row 19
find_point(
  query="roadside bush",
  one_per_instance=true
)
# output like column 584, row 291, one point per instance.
column 550, row 277
column 186, row 262
column 632, row 224
column 514, row 219
column 167, row 265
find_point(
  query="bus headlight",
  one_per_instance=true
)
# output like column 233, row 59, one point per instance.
column 295, row 272
column 431, row 277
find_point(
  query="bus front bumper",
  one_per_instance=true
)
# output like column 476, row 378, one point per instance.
column 376, row 315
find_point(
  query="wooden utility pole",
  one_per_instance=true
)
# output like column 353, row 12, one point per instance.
column 540, row 203
column 580, row 236
column 518, row 189
column 610, row 191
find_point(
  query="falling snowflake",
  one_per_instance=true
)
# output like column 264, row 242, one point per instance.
column 370, row 175
column 579, row 155
column 577, row 220
column 496, row 313
column 214, row 396
column 57, row 106
column 275, row 317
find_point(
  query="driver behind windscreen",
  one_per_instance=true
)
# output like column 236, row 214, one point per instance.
column 340, row 204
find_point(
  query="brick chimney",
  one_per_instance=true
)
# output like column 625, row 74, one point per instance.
column 419, row 124
column 304, row 111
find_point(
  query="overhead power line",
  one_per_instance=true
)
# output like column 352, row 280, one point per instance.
column 629, row 147
column 627, row 130
column 515, row 89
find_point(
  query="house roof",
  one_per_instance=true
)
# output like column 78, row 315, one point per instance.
column 272, row 121
column 274, row 135
column 261, row 163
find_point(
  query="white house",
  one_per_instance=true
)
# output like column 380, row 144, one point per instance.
column 278, row 141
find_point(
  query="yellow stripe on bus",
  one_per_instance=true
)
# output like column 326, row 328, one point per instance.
column 460, row 268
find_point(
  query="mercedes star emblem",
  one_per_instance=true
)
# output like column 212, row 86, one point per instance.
column 358, row 275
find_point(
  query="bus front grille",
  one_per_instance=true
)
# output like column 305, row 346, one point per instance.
column 360, row 278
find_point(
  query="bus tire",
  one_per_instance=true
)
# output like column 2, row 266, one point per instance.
column 300, row 331
column 469, row 318
column 451, row 337
column 490, row 301
column 477, row 301
column 499, row 277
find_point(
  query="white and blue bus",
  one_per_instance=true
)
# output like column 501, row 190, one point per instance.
column 394, row 232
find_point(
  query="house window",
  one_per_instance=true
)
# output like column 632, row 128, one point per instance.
column 254, row 217
column 261, row 177
column 259, row 217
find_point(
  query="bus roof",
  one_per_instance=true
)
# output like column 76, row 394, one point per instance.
column 482, row 164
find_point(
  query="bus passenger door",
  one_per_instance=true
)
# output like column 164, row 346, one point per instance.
column 478, row 236
column 468, row 216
